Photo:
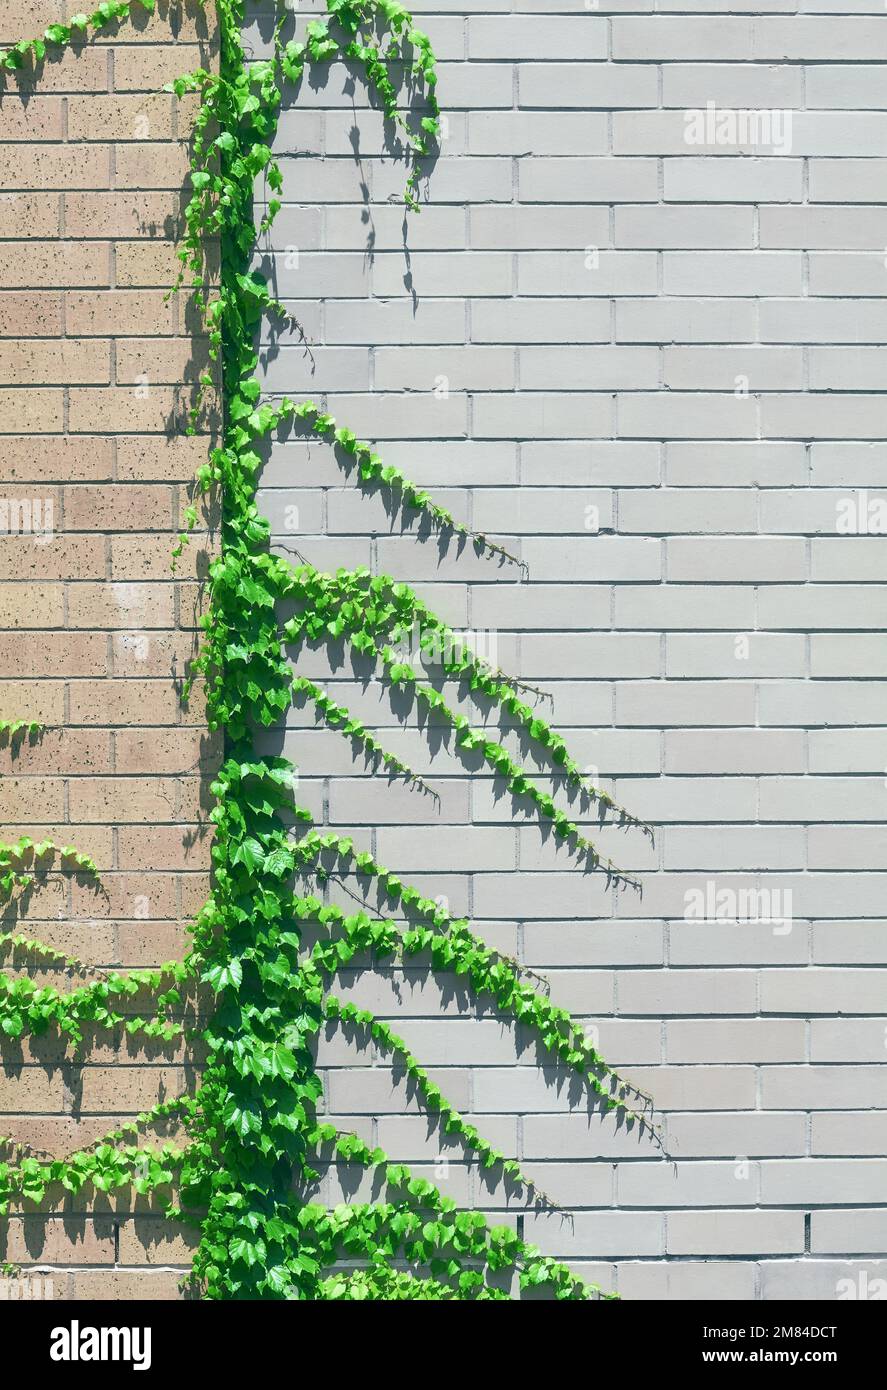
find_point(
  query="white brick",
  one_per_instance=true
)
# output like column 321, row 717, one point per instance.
column 540, row 321
column 587, row 180
column 731, row 560
column 685, row 320
column 736, row 85
column 748, row 750
column 585, row 369
column 583, row 272
column 538, row 133
column 735, row 1232
column 698, row 226
column 589, row 86
column 746, row 847
column 843, row 1232
column 678, row 510
column 687, row 415
column 686, row 1281
column 677, row 606
column 741, row 273
column 535, row 228
column 745, row 1134
column 735, row 1040
column 523, row 37
column 849, row 228
column 724, row 180
column 733, row 368
column 820, row 1280
column 747, row 463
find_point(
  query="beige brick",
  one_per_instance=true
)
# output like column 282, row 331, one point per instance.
column 152, row 166
column 22, row 19
column 81, row 69
column 57, row 1135
column 94, row 942
column 40, row 798
column 56, row 167
column 121, row 605
column 131, row 214
column 48, row 901
column 162, row 847
column 124, row 1285
column 135, row 702
column 55, row 1240
column 118, row 312
column 38, row 314
column 194, row 713
column 157, row 1242
column 163, row 360
column 148, row 67
column 30, row 214
column 124, row 1090
column 39, row 517
column 127, row 507
column 42, row 700
column 61, row 751
column 185, row 1052
column 52, row 459
column 120, row 117
column 174, row 460
column 207, row 505
column 124, row 799
column 187, row 22
column 193, row 604
column 144, row 897
column 151, row 653
column 150, row 557
column 165, row 750
column 194, row 891
column 98, row 842
column 39, row 411
column 142, row 263
column 151, row 943
column 31, row 119
column 154, row 411
column 42, row 264
column 57, row 363
column 48, row 1050
column 64, row 557
column 44, row 1092
column 32, row 605
column 148, row 263
column 196, row 800
column 63, row 654
column 187, row 111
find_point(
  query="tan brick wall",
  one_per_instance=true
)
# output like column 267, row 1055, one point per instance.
column 97, row 630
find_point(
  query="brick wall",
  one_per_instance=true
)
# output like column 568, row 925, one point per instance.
column 564, row 343
column 97, row 630
column 599, row 296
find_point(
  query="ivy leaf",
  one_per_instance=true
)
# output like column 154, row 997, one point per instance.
column 249, row 853
column 283, row 1063
column 223, row 976
column 251, row 1252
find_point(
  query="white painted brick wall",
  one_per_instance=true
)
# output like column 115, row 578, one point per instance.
column 688, row 339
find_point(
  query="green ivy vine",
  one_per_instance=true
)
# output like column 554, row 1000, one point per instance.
column 249, row 1141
